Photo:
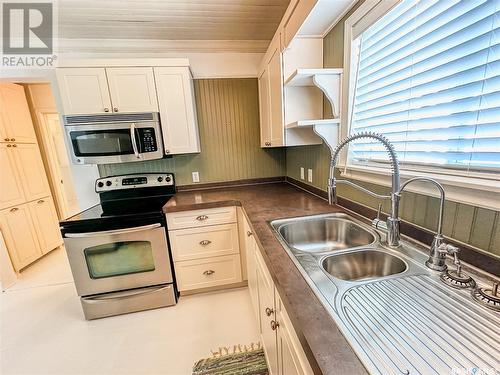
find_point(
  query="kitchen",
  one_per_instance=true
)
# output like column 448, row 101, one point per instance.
column 209, row 220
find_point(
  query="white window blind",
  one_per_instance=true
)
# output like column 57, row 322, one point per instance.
column 427, row 76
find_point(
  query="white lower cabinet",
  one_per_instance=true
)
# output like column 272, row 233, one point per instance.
column 43, row 213
column 205, row 248
column 282, row 347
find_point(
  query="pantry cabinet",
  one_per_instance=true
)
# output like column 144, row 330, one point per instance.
column 31, row 171
column 11, row 191
column 107, row 90
column 177, row 110
column 44, row 215
column 20, row 235
column 15, row 118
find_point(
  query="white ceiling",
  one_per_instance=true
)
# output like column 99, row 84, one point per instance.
column 170, row 19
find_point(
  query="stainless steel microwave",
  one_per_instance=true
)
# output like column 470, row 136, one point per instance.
column 114, row 138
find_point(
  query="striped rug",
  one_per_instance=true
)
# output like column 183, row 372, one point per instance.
column 246, row 363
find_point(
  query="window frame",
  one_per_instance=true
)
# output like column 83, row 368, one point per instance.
column 461, row 185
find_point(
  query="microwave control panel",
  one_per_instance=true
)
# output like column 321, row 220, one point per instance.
column 147, row 139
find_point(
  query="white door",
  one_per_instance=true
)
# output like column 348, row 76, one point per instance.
column 61, row 166
column 177, row 110
column 84, row 90
column 11, row 190
column 276, row 99
column 20, row 236
column 31, row 170
column 17, row 119
column 132, row 89
column 265, row 124
column 43, row 213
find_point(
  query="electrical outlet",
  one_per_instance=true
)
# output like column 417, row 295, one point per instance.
column 196, row 176
column 310, row 175
column 302, row 175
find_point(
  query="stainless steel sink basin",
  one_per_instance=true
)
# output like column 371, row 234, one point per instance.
column 324, row 234
column 363, row 265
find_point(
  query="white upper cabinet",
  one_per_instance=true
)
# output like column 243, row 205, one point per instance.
column 106, row 90
column 175, row 90
column 15, row 119
column 84, row 90
column 31, row 171
column 132, row 89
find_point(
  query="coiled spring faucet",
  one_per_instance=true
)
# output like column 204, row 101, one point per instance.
column 437, row 256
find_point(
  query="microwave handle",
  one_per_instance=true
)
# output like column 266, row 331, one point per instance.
column 134, row 141
column 112, row 232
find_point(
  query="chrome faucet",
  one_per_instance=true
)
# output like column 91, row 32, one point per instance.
column 438, row 253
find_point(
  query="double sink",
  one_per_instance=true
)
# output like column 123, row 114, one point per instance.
column 396, row 313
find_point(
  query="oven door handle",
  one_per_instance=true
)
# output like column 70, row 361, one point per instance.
column 134, row 141
column 112, row 232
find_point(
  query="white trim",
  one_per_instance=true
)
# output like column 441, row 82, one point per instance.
column 475, row 191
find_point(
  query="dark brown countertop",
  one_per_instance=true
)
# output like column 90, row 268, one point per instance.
column 327, row 349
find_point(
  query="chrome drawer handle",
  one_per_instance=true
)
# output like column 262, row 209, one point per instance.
column 202, row 217
column 40, row 201
column 269, row 311
column 209, row 272
column 249, row 233
column 14, row 209
column 205, row 242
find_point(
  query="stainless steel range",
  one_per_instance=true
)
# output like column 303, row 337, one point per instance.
column 118, row 250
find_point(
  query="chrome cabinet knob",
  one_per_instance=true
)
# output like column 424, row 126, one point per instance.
column 40, row 201
column 202, row 217
column 12, row 139
column 14, row 145
column 269, row 311
column 274, row 325
column 115, row 109
column 209, row 272
column 249, row 233
column 6, row 139
column 205, row 242
column 167, row 151
column 14, row 209
column 9, row 145
column 106, row 109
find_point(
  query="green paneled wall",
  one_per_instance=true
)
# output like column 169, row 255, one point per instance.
column 476, row 226
column 228, row 119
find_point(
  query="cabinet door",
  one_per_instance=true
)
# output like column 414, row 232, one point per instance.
column 18, row 125
column 267, row 316
column 20, row 236
column 276, row 98
column 11, row 191
column 265, row 122
column 292, row 359
column 83, row 90
column 132, row 89
column 43, row 213
column 177, row 110
column 31, row 171
column 251, row 248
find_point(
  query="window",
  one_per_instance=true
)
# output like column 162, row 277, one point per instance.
column 427, row 76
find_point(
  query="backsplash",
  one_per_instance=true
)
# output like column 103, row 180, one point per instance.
column 475, row 226
column 228, row 119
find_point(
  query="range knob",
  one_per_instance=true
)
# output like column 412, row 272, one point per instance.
column 100, row 184
column 160, row 179
column 168, row 179
column 108, row 183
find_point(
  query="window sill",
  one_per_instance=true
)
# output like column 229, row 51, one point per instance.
column 462, row 189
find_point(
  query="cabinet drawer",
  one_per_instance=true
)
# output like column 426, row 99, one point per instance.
column 205, row 242
column 200, row 218
column 205, row 273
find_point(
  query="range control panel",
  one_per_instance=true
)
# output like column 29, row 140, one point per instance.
column 133, row 181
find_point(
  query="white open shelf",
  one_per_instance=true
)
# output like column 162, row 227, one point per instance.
column 304, row 123
column 305, row 77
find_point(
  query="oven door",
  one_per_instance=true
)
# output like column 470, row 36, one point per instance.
column 114, row 142
column 120, row 259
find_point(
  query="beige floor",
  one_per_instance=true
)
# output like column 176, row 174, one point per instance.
column 42, row 329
